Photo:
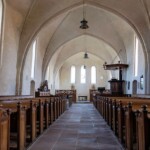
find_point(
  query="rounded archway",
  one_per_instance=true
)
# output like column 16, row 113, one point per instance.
column 107, row 27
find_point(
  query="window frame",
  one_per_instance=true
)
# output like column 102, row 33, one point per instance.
column 73, row 74
column 34, row 45
column 93, row 73
column 136, row 55
column 83, row 75
column 1, row 33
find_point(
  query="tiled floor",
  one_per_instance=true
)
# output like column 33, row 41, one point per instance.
column 79, row 128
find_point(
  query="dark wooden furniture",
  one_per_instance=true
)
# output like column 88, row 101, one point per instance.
column 71, row 94
column 143, row 130
column 4, row 129
column 116, row 85
column 93, row 94
column 22, row 120
column 127, row 119
column 43, row 90
column 42, row 94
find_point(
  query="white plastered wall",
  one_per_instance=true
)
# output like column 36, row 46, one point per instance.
column 9, row 52
column 141, row 66
column 37, row 70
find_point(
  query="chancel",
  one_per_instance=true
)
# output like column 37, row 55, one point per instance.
column 74, row 74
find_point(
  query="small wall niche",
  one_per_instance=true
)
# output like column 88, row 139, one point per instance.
column 141, row 82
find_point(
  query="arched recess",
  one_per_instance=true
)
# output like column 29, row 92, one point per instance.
column 23, row 50
column 32, row 88
column 63, row 73
column 46, row 60
column 103, row 78
column 107, row 51
column 134, row 87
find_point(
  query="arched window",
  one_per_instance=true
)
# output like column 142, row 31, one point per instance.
column 93, row 74
column 136, row 52
column 1, row 22
column 33, row 60
column 83, row 74
column 73, row 74
column 1, row 14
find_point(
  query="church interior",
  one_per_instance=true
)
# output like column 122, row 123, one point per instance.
column 74, row 74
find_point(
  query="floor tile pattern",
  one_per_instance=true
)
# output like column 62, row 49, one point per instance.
column 81, row 127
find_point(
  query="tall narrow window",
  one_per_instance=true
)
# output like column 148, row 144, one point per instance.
column 93, row 74
column 83, row 74
column 1, row 21
column 136, row 56
column 73, row 74
column 33, row 60
column 1, row 12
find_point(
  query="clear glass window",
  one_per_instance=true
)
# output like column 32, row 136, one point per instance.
column 33, row 60
column 73, row 74
column 93, row 74
column 136, row 56
column 83, row 74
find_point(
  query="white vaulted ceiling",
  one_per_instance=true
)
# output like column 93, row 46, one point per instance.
column 56, row 24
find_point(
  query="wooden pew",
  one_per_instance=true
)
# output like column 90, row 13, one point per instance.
column 110, row 107
column 129, row 121
column 64, row 93
column 56, row 108
column 22, row 112
column 46, row 113
column 18, row 112
column 134, row 129
column 31, row 118
column 123, row 118
column 28, row 118
column 52, row 110
column 143, row 128
column 4, row 129
column 40, row 115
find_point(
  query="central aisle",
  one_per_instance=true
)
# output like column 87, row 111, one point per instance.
column 79, row 128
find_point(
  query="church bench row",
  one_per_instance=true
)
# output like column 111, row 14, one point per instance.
column 122, row 117
column 70, row 94
column 28, row 110
column 94, row 93
column 7, row 97
column 105, row 104
column 116, row 116
column 22, row 120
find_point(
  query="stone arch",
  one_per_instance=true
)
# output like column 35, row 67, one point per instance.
column 74, row 53
column 45, row 64
column 22, row 53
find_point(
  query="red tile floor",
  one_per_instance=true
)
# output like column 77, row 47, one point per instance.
column 79, row 128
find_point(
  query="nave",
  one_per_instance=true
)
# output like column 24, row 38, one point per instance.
column 81, row 127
